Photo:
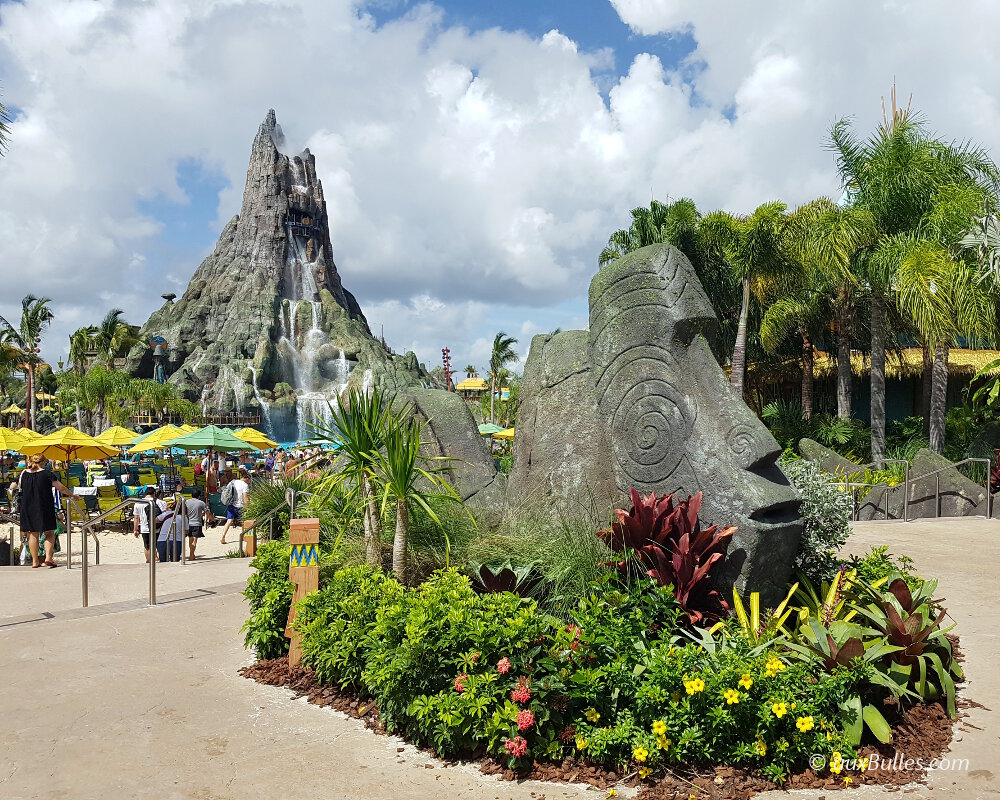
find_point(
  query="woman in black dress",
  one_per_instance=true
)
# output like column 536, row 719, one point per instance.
column 38, row 507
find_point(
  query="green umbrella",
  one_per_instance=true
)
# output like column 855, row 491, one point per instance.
column 210, row 438
column 488, row 429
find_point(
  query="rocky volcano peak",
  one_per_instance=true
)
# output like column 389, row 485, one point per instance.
column 265, row 318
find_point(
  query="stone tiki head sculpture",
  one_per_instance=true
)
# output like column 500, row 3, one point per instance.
column 674, row 422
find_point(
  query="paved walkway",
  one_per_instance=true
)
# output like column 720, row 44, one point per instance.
column 124, row 701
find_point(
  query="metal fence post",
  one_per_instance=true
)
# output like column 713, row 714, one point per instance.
column 151, row 505
column 69, row 536
column 85, row 579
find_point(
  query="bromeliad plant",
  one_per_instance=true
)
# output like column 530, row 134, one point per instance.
column 910, row 621
column 521, row 580
column 665, row 541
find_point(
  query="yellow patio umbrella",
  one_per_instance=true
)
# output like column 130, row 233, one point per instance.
column 116, row 436
column 47, row 408
column 155, row 440
column 45, row 396
column 188, row 428
column 13, row 408
column 67, row 444
column 254, row 437
column 9, row 439
column 507, row 434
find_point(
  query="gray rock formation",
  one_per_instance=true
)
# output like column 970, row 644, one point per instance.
column 561, row 455
column 660, row 413
column 827, row 459
column 959, row 496
column 265, row 318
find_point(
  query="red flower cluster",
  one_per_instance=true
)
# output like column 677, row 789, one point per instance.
column 522, row 694
column 525, row 719
column 516, row 747
column 460, row 682
column 503, row 665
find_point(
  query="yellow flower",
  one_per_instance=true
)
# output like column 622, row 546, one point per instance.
column 836, row 763
column 640, row 753
column 732, row 696
column 592, row 715
column 848, row 780
column 761, row 748
column 746, row 681
column 644, row 772
column 773, row 667
column 804, row 723
column 694, row 686
column 612, row 793
column 779, row 709
column 663, row 742
column 792, row 706
column 863, row 763
column 659, row 727
column 581, row 743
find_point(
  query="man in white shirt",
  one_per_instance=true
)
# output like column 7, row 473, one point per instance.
column 239, row 496
column 140, row 520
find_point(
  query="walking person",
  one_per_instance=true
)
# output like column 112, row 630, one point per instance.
column 170, row 541
column 141, row 522
column 38, row 508
column 196, row 513
column 235, row 496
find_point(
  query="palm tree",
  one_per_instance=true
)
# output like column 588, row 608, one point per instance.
column 112, row 336
column 81, row 344
column 360, row 426
column 26, row 337
column 502, row 354
column 470, row 371
column 756, row 248
column 898, row 177
column 403, row 480
column 673, row 223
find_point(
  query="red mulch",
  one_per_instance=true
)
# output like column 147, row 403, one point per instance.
column 921, row 732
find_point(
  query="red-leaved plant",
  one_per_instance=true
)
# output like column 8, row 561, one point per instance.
column 667, row 541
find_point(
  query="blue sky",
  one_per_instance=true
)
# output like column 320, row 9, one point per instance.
column 475, row 156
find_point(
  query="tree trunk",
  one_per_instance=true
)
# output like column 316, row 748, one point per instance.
column 493, row 392
column 878, row 382
column 925, row 387
column 740, row 349
column 844, row 375
column 939, row 397
column 807, row 376
column 399, row 542
column 373, row 525
column 31, row 397
column 79, row 418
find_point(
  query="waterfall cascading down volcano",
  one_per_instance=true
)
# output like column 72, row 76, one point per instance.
column 302, row 335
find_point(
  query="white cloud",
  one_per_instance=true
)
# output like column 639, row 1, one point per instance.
column 472, row 177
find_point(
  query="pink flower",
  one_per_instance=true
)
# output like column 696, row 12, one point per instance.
column 460, row 683
column 516, row 747
column 525, row 719
column 503, row 665
column 522, row 694
column 474, row 658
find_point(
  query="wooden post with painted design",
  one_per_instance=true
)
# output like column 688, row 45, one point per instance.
column 303, row 571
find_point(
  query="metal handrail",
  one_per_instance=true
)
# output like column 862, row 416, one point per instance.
column 851, row 486
column 128, row 501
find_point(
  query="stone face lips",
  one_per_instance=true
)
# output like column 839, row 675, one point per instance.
column 230, row 314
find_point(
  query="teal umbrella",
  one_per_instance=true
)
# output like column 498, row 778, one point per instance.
column 210, row 438
column 488, row 429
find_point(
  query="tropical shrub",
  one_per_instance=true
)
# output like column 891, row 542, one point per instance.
column 665, row 542
column 336, row 623
column 729, row 707
column 878, row 565
column 826, row 512
column 269, row 594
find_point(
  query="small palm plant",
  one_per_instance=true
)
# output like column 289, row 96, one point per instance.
column 403, row 479
column 359, row 429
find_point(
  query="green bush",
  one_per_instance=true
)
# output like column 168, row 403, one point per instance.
column 336, row 623
column 269, row 593
column 877, row 565
column 826, row 512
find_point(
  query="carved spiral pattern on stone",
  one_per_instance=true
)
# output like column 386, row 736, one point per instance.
column 742, row 440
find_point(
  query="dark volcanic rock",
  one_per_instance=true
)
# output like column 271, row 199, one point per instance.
column 268, row 298
column 827, row 459
column 659, row 415
column 959, row 495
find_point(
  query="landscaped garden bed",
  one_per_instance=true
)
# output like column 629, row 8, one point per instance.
column 609, row 655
